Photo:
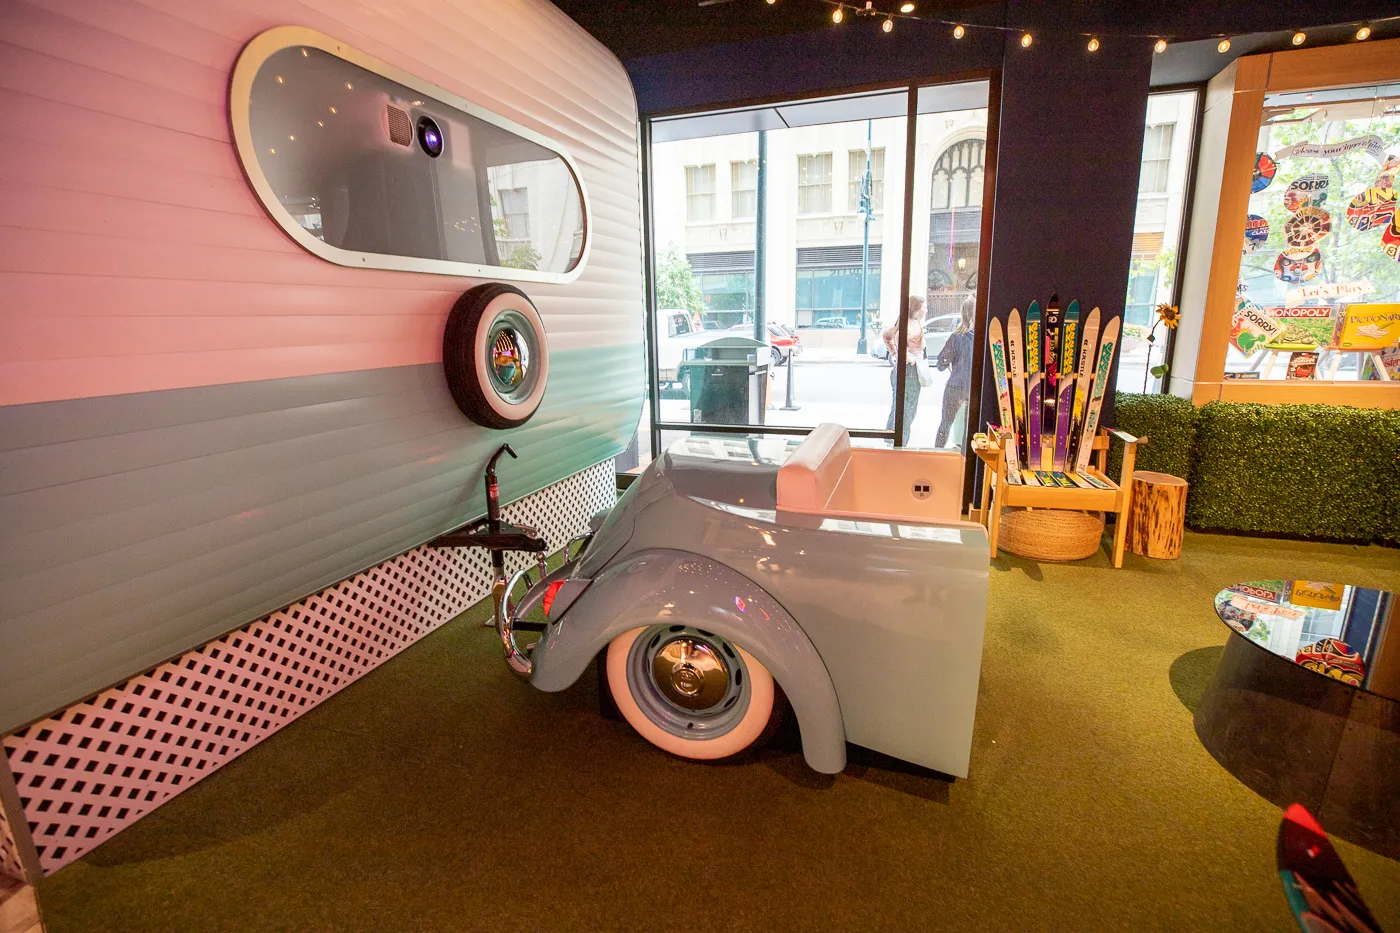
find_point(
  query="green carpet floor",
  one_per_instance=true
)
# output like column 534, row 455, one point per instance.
column 439, row 793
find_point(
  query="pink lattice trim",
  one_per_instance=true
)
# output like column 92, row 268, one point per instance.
column 102, row 764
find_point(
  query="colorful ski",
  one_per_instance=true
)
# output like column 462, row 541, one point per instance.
column 1100, row 383
column 1064, row 393
column 1320, row 891
column 1089, row 479
column 1033, row 386
column 1017, row 361
column 1003, row 388
column 1088, row 344
column 1029, row 477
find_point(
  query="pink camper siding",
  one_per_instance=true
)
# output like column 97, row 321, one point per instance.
column 136, row 256
column 200, row 421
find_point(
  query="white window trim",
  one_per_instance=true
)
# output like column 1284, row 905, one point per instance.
column 266, row 44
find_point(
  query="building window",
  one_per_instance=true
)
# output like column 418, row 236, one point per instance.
column 1152, row 274
column 1156, row 159
column 699, row 193
column 877, row 178
column 515, row 207
column 743, row 186
column 814, row 183
column 958, row 175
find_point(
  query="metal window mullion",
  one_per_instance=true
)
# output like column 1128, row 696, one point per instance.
column 911, row 118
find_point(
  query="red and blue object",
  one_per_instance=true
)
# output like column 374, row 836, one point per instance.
column 1320, row 891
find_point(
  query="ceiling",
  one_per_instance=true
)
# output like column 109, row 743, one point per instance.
column 638, row 28
column 634, row 28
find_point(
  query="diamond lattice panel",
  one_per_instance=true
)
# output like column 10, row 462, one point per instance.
column 104, row 763
column 9, row 851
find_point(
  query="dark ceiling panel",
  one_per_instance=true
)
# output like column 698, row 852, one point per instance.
column 639, row 28
column 634, row 28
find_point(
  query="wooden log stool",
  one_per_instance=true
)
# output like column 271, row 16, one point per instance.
column 1157, row 519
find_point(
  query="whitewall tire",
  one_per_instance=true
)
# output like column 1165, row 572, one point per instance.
column 692, row 693
column 495, row 356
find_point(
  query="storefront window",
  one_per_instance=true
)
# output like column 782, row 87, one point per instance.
column 1318, row 296
column 1167, row 148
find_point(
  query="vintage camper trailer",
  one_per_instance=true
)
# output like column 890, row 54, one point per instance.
column 234, row 235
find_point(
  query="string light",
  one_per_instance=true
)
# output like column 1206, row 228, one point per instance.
column 906, row 8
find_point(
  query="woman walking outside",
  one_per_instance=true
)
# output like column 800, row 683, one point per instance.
column 908, row 371
column 957, row 356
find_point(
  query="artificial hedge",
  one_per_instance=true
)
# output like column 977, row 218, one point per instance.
column 1169, row 424
column 1318, row 471
column 1314, row 470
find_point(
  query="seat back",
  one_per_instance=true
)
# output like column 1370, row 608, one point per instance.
column 814, row 470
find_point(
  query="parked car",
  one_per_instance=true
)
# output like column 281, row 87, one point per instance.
column 740, row 575
column 831, row 322
column 936, row 333
column 782, row 341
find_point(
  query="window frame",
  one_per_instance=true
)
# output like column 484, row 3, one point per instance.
column 1193, row 158
column 856, row 165
column 692, row 197
column 803, row 185
column 736, row 169
column 271, row 41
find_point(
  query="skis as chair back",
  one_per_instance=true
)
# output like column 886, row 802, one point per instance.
column 1003, row 389
column 1100, row 383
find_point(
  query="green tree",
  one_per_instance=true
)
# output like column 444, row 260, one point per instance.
column 675, row 283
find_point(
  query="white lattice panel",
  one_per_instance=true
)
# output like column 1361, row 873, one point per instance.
column 98, row 766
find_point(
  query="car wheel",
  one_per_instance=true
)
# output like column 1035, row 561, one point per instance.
column 692, row 693
column 777, row 356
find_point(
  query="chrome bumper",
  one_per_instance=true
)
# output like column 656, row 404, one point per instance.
column 518, row 660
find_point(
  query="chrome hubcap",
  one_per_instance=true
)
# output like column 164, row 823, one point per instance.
column 691, row 674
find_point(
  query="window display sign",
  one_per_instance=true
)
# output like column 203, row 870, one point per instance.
column 1368, row 327
column 1322, row 234
column 1317, row 595
column 1303, row 328
column 1252, row 327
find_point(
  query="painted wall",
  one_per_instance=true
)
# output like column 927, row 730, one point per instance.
column 201, row 421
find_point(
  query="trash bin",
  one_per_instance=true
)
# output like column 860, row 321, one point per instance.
column 727, row 380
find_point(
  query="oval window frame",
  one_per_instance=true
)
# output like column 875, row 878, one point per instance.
column 268, row 43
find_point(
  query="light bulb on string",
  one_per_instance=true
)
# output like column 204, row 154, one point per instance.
column 1160, row 46
column 888, row 24
column 906, row 8
column 1026, row 40
column 959, row 31
column 1300, row 37
column 1363, row 33
column 1093, row 43
column 1224, row 46
column 837, row 15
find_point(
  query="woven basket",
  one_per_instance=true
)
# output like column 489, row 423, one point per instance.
column 1050, row 534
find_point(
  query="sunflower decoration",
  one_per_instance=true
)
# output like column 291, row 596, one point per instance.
column 1169, row 315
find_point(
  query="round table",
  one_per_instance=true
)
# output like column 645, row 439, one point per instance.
column 1304, row 706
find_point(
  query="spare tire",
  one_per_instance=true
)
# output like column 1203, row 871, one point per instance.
column 495, row 356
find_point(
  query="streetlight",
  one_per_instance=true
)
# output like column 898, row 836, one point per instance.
column 866, row 208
